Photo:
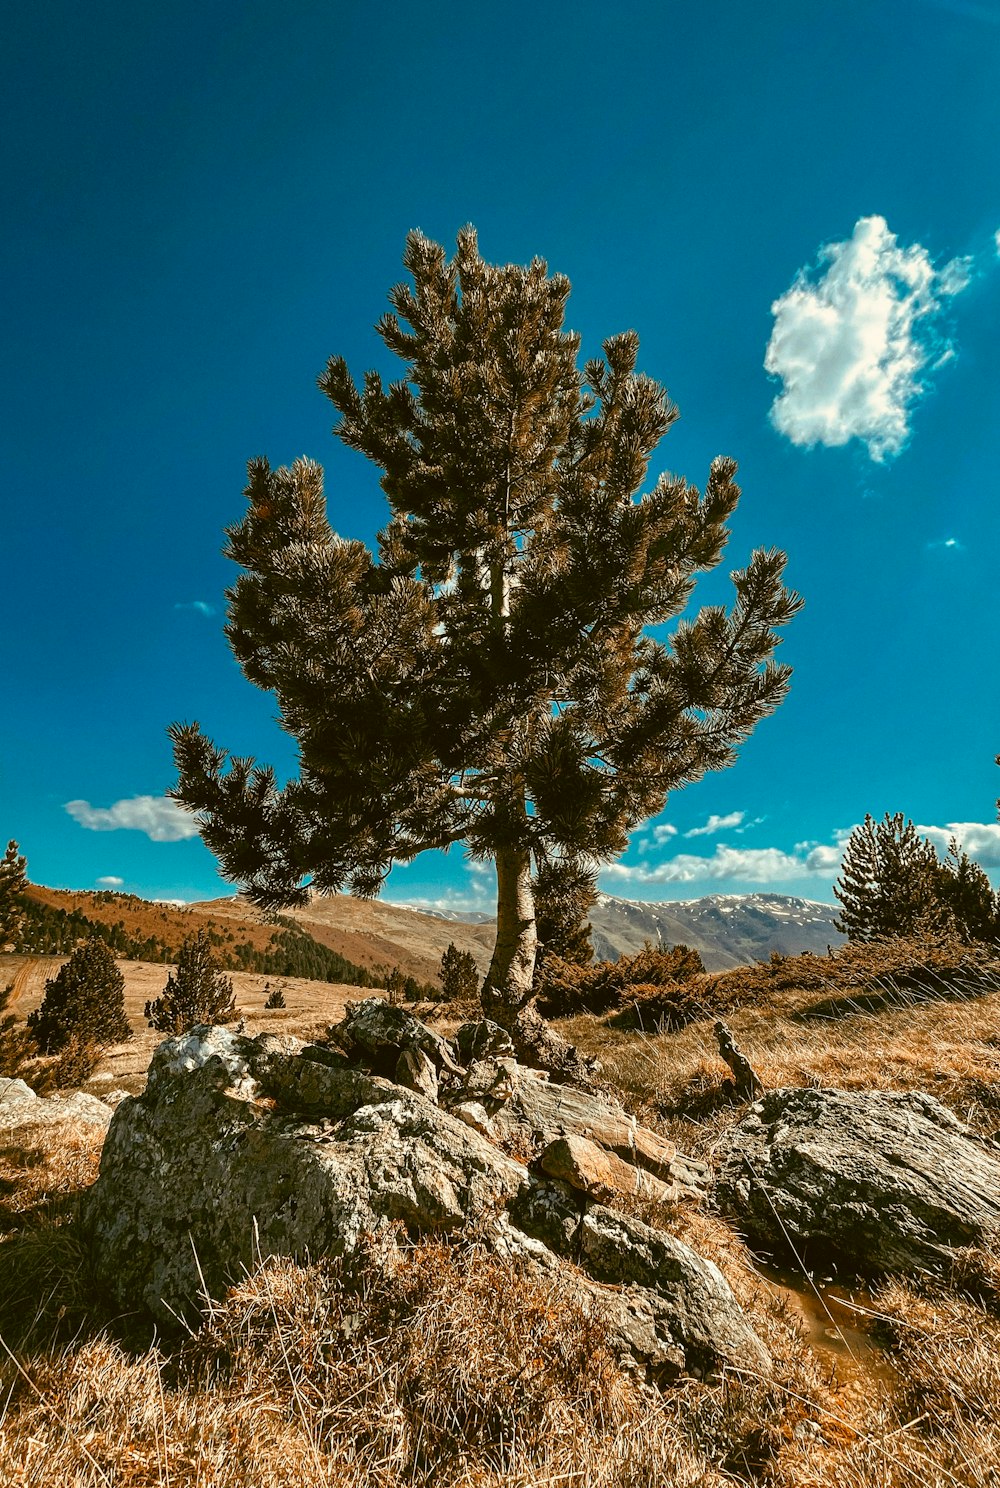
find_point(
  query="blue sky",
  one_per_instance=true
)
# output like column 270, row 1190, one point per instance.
column 796, row 207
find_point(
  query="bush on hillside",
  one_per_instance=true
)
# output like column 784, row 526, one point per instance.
column 76, row 1063
column 197, row 992
column 85, row 998
column 566, row 989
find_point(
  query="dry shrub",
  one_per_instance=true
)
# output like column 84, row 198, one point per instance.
column 566, row 989
column 866, row 976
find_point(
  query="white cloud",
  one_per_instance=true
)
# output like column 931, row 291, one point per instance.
column 161, row 819
column 648, row 840
column 741, row 865
column 718, row 824
column 110, row 881
column 981, row 840
column 850, row 341
column 945, row 545
column 201, row 606
column 996, row 241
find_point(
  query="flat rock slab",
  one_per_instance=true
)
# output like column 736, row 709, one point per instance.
column 602, row 1175
column 878, row 1182
column 20, row 1106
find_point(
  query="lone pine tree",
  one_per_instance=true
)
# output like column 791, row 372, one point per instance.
column 489, row 676
column 197, row 992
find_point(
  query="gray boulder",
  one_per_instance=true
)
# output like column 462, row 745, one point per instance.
column 875, row 1181
column 241, row 1148
column 678, row 1310
column 20, row 1107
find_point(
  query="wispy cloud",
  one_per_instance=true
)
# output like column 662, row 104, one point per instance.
column 727, row 823
column 852, row 336
column 161, row 819
column 110, row 881
column 741, row 865
column 946, row 545
column 199, row 606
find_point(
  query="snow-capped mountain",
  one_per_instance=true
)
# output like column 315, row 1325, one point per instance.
column 726, row 929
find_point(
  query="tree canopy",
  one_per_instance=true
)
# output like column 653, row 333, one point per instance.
column 498, row 673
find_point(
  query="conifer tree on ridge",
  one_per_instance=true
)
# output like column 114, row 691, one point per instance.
column 488, row 677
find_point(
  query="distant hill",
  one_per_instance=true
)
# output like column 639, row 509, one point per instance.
column 373, row 937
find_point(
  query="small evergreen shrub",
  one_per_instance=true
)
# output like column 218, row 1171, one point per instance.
column 275, row 996
column 197, row 992
column 75, row 1065
column 85, row 999
column 565, row 989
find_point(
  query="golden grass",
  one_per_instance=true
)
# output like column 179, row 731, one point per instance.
column 440, row 1365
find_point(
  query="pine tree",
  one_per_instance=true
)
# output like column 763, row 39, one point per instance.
column 489, row 676
column 564, row 891
column 967, row 896
column 459, row 974
column 889, row 881
column 85, row 1000
column 197, row 992
column 12, row 886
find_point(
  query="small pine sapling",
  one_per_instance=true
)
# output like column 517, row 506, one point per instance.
column 459, row 975
column 275, row 996
column 197, row 992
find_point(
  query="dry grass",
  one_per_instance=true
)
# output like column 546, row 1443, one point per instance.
column 440, row 1365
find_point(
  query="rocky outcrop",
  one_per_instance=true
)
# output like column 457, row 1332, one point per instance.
column 241, row 1148
column 875, row 1181
column 20, row 1107
column 525, row 1112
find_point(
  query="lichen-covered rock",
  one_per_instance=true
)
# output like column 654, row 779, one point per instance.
column 20, row 1106
column 481, row 1040
column 376, row 1032
column 874, row 1181
column 241, row 1148
column 682, row 1311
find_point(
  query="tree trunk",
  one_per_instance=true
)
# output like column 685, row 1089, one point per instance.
column 507, row 994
